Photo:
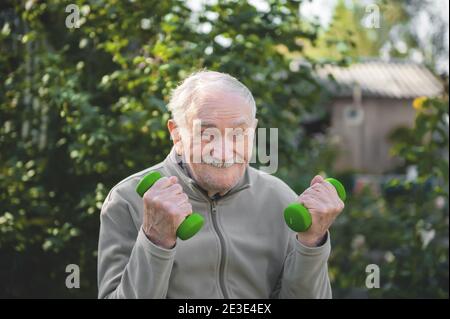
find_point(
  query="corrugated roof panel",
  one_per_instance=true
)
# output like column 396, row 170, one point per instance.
column 394, row 79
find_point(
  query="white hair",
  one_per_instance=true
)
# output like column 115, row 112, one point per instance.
column 187, row 93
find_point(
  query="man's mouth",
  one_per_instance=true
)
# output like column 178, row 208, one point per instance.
column 218, row 163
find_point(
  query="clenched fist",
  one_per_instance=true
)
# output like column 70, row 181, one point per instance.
column 322, row 201
column 165, row 208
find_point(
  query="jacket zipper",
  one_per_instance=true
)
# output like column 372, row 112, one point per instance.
column 213, row 206
column 222, row 250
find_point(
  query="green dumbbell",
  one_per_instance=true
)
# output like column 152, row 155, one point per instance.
column 190, row 226
column 297, row 216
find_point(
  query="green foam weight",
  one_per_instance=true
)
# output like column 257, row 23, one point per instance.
column 297, row 216
column 190, row 226
column 146, row 182
column 339, row 188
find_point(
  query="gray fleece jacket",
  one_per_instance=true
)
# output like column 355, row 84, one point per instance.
column 244, row 250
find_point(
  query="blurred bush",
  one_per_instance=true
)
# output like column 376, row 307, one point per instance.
column 403, row 229
column 83, row 108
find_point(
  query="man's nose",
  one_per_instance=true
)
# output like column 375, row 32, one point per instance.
column 224, row 150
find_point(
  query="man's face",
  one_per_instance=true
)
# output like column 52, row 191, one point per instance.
column 218, row 140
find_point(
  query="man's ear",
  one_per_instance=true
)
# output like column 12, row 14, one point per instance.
column 174, row 131
column 255, row 123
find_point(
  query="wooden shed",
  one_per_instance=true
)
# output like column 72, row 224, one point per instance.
column 370, row 100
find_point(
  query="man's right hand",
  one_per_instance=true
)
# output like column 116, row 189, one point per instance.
column 165, row 208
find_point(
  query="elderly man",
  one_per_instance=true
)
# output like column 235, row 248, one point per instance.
column 245, row 249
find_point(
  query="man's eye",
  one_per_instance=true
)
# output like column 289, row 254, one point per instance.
column 238, row 137
column 240, row 134
column 206, row 136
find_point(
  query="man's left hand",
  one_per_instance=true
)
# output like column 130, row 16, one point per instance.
column 324, row 205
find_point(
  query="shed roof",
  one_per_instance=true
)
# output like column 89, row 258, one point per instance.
column 376, row 78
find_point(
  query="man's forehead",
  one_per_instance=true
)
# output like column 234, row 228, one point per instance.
column 221, row 107
column 237, row 122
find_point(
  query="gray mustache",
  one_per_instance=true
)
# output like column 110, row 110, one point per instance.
column 219, row 163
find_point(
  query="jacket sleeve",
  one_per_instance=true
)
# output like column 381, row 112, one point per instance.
column 305, row 271
column 129, row 264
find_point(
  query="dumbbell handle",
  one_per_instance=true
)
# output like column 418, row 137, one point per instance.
column 192, row 223
column 297, row 216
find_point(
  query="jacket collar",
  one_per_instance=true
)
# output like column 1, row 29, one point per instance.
column 176, row 166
